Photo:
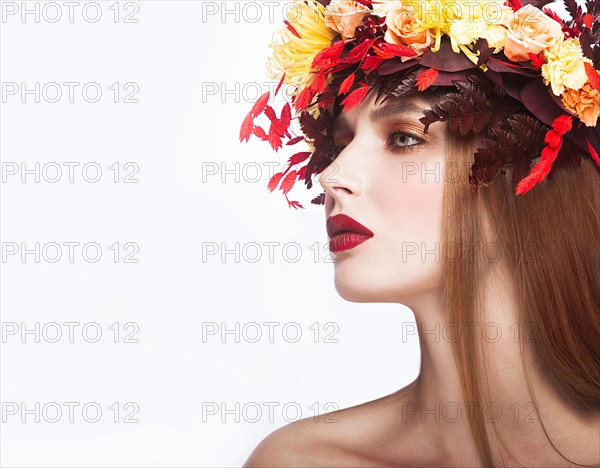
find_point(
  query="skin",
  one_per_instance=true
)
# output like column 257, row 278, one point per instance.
column 374, row 181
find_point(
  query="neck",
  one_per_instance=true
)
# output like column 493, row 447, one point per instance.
column 436, row 398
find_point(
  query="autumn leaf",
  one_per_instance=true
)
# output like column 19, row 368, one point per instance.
column 515, row 4
column 397, row 50
column 292, row 29
column 288, row 182
column 294, row 141
column 371, row 63
column 270, row 113
column 536, row 60
column 260, row 104
column 592, row 75
column 595, row 156
column 274, row 137
column 355, row 98
column 274, row 181
column 303, row 99
column 426, row 79
column 280, row 83
column 246, row 130
column 298, row 158
column 319, row 199
column 587, row 20
column 328, row 56
column 294, row 204
column 318, row 84
column 281, row 125
column 346, row 84
column 260, row 133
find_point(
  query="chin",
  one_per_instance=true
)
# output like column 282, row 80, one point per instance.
column 407, row 287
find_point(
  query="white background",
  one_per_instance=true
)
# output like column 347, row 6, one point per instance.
column 182, row 56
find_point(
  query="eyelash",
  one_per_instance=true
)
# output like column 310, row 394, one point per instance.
column 390, row 136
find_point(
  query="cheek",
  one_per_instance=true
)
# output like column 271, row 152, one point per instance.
column 413, row 202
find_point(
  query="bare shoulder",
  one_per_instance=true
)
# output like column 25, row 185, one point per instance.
column 291, row 445
column 347, row 437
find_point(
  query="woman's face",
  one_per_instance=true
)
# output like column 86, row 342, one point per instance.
column 388, row 177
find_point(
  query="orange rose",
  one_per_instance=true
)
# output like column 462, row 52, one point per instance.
column 344, row 16
column 530, row 30
column 400, row 20
column 584, row 102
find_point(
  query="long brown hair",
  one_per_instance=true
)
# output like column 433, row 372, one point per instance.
column 553, row 232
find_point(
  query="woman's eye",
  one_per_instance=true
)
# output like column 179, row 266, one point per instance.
column 397, row 139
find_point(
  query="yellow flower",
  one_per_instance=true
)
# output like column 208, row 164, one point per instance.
column 464, row 21
column 564, row 66
column 294, row 55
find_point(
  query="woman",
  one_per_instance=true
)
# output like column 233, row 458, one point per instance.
column 505, row 282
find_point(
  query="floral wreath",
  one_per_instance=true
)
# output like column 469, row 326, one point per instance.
column 522, row 75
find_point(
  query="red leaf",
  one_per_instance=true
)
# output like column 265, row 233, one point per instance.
column 260, row 104
column 515, row 4
column 346, row 84
column 298, row 158
column 294, row 204
column 592, row 75
column 302, row 173
column 371, row 63
column 318, row 84
column 280, row 83
column 274, row 181
column 270, row 113
column 328, row 56
column 303, row 99
column 595, row 156
column 292, row 29
column 355, row 98
column 293, row 141
column 382, row 54
column 274, row 137
column 260, row 133
column 397, row 50
column 328, row 101
column 281, row 125
column 426, row 79
column 246, row 130
column 288, row 182
column 587, row 20
column 536, row 60
column 358, row 53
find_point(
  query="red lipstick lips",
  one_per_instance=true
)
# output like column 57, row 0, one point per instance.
column 345, row 233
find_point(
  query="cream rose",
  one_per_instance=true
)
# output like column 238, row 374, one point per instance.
column 530, row 30
column 344, row 16
column 401, row 22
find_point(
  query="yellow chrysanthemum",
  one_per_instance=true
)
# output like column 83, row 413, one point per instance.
column 564, row 66
column 294, row 55
column 463, row 21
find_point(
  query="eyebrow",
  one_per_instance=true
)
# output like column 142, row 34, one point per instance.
column 383, row 112
column 394, row 108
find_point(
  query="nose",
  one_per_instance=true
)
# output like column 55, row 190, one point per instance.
column 343, row 178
